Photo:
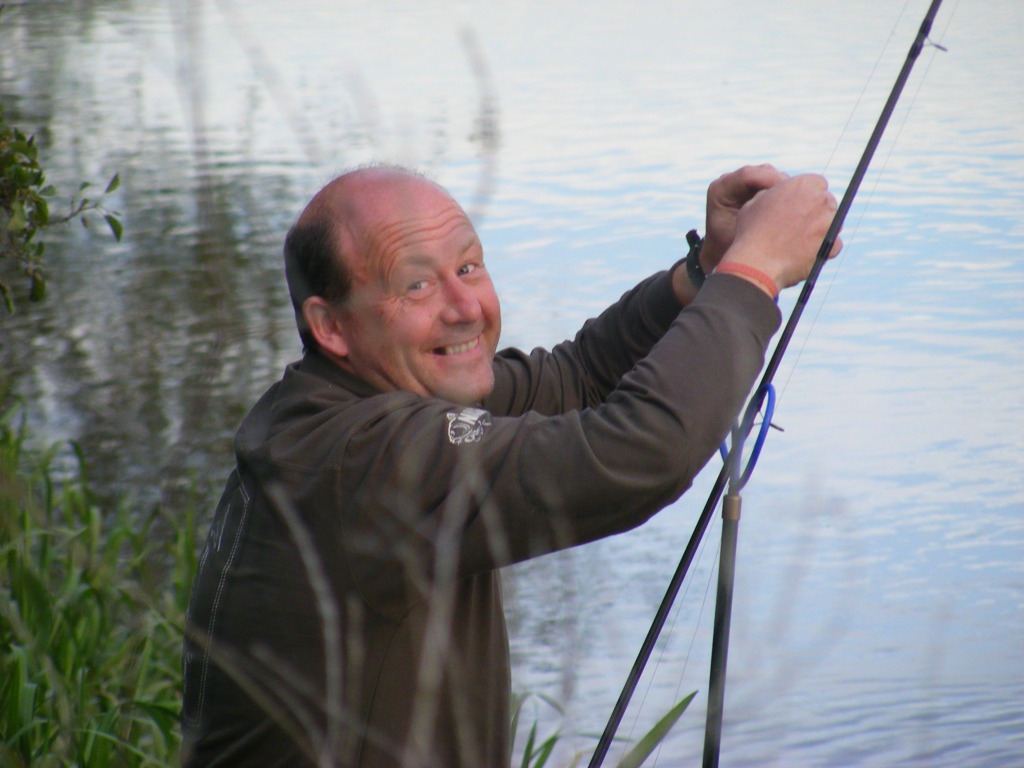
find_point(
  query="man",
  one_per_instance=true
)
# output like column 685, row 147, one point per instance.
column 347, row 609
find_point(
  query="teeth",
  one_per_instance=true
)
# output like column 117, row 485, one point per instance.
column 458, row 349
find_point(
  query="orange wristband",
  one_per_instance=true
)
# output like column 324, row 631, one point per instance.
column 753, row 273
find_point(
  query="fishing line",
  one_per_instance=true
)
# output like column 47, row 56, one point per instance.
column 732, row 473
column 838, row 262
column 693, row 636
column 668, row 634
column 867, row 85
column 769, row 388
column 767, row 392
column 873, row 189
column 731, row 503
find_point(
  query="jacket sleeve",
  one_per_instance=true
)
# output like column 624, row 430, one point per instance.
column 581, row 373
column 438, row 488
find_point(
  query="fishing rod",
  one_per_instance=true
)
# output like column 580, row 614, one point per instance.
column 734, row 476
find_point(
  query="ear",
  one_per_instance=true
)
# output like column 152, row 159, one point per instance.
column 326, row 326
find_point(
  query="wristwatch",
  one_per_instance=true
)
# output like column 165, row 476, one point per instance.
column 693, row 268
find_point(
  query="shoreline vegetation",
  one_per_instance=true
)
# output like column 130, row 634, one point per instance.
column 92, row 605
column 25, row 211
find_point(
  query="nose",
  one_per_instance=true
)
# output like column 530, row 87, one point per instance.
column 461, row 304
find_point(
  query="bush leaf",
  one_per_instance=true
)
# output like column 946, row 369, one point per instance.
column 115, row 226
column 654, row 737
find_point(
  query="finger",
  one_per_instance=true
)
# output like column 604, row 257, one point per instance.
column 733, row 189
column 764, row 175
column 752, row 179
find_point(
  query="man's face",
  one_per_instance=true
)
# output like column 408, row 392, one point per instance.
column 422, row 314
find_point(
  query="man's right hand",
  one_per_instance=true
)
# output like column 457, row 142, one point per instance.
column 726, row 197
column 779, row 230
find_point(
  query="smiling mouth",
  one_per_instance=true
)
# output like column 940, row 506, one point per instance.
column 458, row 349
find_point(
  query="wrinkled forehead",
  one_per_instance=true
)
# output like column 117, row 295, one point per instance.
column 383, row 219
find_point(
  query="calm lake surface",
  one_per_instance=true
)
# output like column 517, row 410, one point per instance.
column 879, row 608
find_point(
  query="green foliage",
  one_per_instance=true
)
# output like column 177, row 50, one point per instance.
column 25, row 209
column 90, row 633
column 536, row 755
column 650, row 740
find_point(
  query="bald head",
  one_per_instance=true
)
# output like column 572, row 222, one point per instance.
column 388, row 280
column 341, row 227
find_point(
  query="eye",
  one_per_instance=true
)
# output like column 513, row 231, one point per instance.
column 465, row 269
column 419, row 285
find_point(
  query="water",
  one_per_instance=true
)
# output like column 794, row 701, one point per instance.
column 879, row 611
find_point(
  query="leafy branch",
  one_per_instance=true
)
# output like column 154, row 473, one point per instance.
column 25, row 209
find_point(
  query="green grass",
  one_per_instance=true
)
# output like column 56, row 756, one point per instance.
column 91, row 611
column 537, row 751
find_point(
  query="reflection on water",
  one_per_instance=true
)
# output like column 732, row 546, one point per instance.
column 879, row 602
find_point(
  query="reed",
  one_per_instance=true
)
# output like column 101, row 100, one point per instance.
column 91, row 616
